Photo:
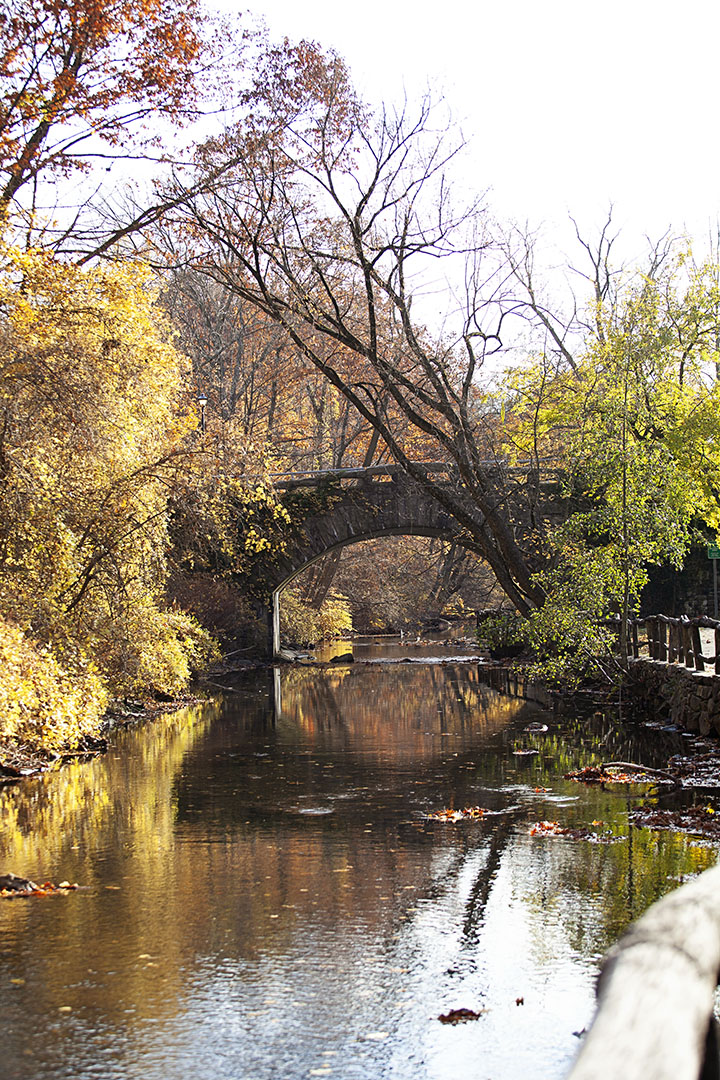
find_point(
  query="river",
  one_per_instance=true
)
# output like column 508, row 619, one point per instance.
column 263, row 894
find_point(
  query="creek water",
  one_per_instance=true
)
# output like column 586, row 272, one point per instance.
column 263, row 894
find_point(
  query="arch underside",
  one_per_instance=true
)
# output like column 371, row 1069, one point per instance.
column 433, row 531
column 442, row 532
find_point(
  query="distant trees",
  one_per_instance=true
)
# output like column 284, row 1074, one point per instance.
column 260, row 389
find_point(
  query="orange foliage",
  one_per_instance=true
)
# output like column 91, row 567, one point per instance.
column 90, row 72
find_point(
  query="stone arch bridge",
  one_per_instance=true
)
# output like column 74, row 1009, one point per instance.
column 346, row 506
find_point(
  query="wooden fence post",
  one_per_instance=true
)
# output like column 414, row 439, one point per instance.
column 651, row 635
column 680, row 638
column 697, row 648
column 656, row 992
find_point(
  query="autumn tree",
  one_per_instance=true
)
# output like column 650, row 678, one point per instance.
column 93, row 421
column 98, row 100
column 259, row 388
column 327, row 236
column 84, row 84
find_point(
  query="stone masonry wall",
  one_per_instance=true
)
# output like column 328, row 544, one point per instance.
column 690, row 699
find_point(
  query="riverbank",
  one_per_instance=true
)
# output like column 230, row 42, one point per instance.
column 19, row 762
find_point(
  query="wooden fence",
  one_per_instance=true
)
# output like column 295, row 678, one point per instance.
column 675, row 641
column 655, row 1017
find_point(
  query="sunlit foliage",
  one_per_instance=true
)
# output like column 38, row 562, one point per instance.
column 301, row 624
column 92, row 421
column 42, row 706
column 633, row 429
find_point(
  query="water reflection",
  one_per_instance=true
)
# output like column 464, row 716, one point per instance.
column 264, row 896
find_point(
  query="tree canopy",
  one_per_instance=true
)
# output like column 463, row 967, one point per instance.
column 278, row 264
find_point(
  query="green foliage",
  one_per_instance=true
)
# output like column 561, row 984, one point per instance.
column 503, row 630
column 568, row 635
column 634, row 430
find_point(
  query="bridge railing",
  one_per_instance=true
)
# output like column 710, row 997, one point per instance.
column 359, row 473
column 675, row 640
column 356, row 474
column 655, row 1015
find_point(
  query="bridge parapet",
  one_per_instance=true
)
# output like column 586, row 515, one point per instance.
column 360, row 475
column 435, row 470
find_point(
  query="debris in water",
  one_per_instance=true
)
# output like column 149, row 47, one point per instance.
column 12, row 887
column 620, row 772
column 459, row 815
column 554, row 828
column 460, row 1016
column 701, row 820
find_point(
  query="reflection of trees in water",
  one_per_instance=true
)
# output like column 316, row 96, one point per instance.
column 481, row 890
column 392, row 703
column 129, row 787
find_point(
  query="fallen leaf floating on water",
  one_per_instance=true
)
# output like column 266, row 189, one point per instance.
column 13, row 887
column 620, row 772
column 460, row 1016
column 548, row 828
column 594, row 774
column 554, row 828
column 459, row 815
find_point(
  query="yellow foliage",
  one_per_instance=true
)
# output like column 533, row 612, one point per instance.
column 92, row 422
column 42, row 705
column 152, row 650
column 302, row 624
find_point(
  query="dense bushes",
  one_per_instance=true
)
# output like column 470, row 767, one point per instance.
column 302, row 624
column 43, row 706
column 94, row 431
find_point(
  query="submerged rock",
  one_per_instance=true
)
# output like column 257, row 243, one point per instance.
column 13, row 883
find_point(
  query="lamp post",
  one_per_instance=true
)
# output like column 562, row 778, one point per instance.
column 202, row 402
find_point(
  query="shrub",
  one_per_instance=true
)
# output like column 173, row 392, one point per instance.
column 45, row 707
column 302, row 624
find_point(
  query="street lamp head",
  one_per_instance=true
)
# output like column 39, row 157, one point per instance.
column 202, row 400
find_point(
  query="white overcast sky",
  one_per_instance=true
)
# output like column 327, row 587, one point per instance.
column 568, row 105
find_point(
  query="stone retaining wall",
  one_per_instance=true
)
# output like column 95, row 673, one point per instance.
column 690, row 699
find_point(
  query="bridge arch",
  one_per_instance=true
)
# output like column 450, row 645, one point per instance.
column 349, row 506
